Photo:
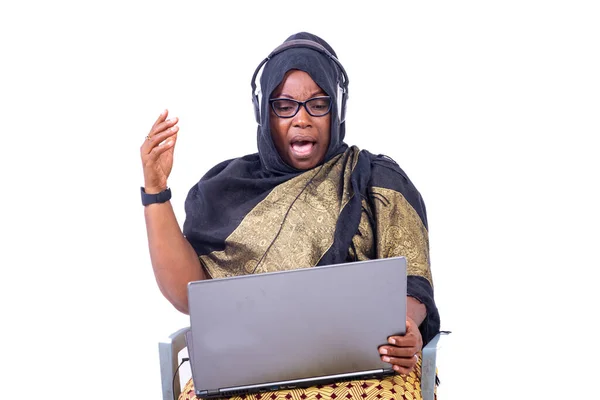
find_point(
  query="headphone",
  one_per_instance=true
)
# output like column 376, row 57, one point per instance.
column 342, row 95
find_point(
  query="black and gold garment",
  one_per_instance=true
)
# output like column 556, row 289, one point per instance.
column 257, row 214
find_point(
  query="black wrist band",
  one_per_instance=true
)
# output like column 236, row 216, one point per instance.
column 161, row 197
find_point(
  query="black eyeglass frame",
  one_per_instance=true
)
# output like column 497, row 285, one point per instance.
column 300, row 104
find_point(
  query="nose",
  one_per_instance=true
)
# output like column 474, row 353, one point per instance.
column 302, row 119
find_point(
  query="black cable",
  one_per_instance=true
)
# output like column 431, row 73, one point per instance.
column 285, row 217
column 175, row 375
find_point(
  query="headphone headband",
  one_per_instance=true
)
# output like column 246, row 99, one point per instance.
column 301, row 43
column 308, row 44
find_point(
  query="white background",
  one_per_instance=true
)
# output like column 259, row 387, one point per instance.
column 492, row 108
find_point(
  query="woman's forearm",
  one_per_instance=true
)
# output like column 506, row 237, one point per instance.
column 174, row 261
column 415, row 310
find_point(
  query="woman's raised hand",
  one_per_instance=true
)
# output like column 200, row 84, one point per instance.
column 157, row 153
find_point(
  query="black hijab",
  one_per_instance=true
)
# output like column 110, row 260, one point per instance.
column 324, row 72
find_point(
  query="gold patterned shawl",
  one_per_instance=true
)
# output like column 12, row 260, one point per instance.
column 297, row 225
column 285, row 232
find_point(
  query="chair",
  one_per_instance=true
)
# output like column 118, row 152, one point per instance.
column 169, row 360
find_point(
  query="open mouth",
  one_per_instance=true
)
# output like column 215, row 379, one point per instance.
column 302, row 148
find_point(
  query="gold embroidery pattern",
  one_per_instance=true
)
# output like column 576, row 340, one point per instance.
column 300, row 238
column 400, row 232
column 401, row 387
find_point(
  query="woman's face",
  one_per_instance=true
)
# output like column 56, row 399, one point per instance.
column 302, row 140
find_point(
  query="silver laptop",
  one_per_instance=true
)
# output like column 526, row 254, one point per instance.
column 297, row 328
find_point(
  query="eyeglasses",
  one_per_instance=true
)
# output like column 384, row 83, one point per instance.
column 287, row 108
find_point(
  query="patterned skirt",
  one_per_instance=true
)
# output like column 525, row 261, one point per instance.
column 401, row 387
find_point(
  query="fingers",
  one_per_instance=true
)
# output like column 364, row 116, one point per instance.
column 403, row 370
column 162, row 147
column 412, row 337
column 162, row 130
column 402, row 365
column 161, row 118
column 393, row 351
column 403, row 360
column 409, row 340
column 163, row 126
column 402, row 351
column 409, row 362
column 159, row 138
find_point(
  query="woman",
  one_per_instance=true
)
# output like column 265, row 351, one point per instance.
column 306, row 198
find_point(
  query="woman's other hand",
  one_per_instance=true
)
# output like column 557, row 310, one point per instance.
column 157, row 153
column 403, row 351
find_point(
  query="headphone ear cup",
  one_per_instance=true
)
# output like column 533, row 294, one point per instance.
column 341, row 104
column 256, row 108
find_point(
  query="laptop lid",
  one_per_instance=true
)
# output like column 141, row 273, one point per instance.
column 294, row 328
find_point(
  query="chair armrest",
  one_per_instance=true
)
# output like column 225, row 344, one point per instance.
column 428, row 362
column 168, row 351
